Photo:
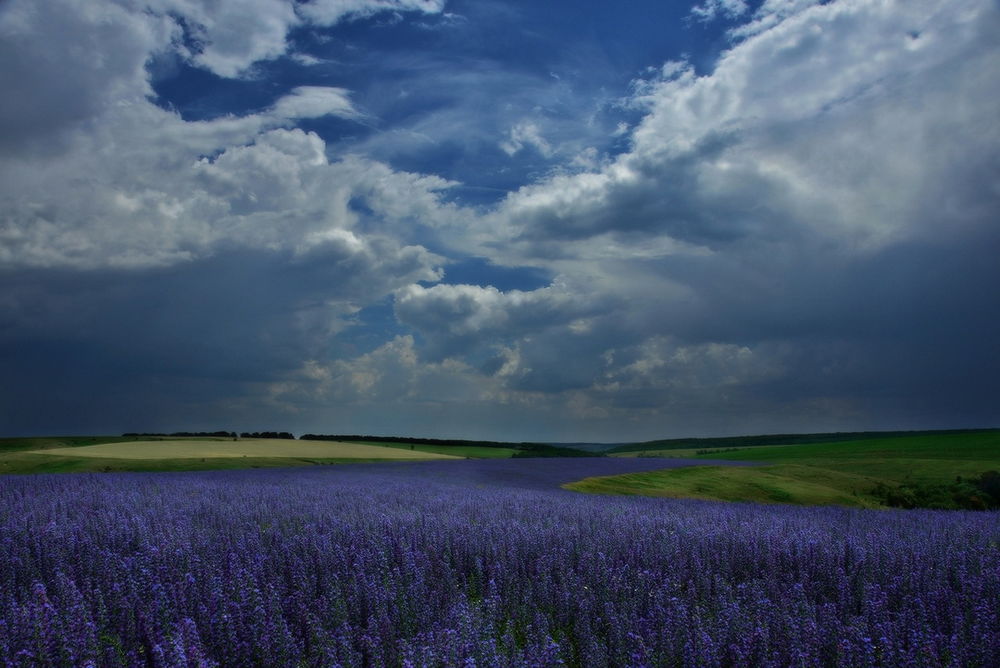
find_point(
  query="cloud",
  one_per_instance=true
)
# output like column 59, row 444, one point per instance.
column 315, row 102
column 99, row 176
column 69, row 61
column 711, row 9
column 328, row 12
column 457, row 318
column 147, row 189
column 771, row 13
column 525, row 134
column 768, row 144
column 822, row 148
column 390, row 390
column 172, row 258
column 443, row 111
column 202, row 342
column 390, row 374
column 306, row 59
column 227, row 38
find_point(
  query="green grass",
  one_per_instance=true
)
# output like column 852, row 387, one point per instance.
column 928, row 459
column 778, row 484
column 46, row 442
column 843, row 473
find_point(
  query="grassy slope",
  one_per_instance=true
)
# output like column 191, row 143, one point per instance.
column 45, row 442
column 842, row 473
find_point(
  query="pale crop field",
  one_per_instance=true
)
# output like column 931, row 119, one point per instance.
column 264, row 447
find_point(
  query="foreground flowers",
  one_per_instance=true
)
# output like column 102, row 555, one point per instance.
column 435, row 565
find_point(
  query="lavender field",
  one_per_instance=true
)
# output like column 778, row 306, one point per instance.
column 476, row 563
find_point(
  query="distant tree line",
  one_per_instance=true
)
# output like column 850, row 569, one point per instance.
column 212, row 434
column 779, row 439
column 524, row 448
column 546, row 450
column 268, row 434
column 216, row 434
column 358, row 438
column 716, row 452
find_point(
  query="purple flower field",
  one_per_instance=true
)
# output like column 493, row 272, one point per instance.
column 476, row 563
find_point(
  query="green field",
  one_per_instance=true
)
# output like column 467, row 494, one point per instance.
column 773, row 484
column 187, row 453
column 938, row 470
column 113, row 453
column 197, row 448
column 922, row 470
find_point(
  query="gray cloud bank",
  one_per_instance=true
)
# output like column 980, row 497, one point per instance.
column 804, row 238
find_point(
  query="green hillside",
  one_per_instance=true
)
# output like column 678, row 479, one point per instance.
column 930, row 469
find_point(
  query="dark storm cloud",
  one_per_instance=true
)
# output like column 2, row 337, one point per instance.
column 175, row 346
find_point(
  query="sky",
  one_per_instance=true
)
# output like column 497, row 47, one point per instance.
column 499, row 219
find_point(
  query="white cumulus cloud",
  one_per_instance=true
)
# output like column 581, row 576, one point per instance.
column 710, row 9
column 526, row 134
column 314, row 102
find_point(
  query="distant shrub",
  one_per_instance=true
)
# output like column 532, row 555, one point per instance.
column 982, row 493
column 989, row 484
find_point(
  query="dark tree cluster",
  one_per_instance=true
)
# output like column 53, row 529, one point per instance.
column 268, row 434
column 212, row 434
column 358, row 438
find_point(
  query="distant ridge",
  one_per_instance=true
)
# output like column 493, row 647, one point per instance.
column 781, row 439
column 524, row 448
column 591, row 447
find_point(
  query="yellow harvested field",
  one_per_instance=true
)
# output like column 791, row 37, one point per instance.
column 263, row 447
